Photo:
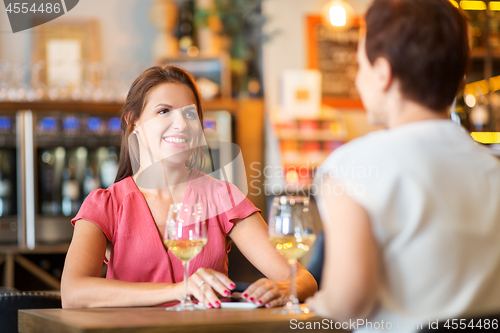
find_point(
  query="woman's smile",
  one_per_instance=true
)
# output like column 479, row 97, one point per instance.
column 178, row 141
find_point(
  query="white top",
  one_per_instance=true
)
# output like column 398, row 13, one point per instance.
column 433, row 198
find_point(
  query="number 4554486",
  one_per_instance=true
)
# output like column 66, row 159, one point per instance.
column 465, row 324
column 48, row 8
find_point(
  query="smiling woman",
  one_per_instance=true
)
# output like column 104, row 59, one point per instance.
column 147, row 89
column 168, row 132
column 162, row 138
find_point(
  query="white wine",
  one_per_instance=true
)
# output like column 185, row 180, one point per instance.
column 185, row 249
column 292, row 247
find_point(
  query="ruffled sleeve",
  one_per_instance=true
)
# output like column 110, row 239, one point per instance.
column 99, row 208
column 235, row 205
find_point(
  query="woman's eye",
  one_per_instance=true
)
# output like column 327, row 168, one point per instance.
column 165, row 111
column 190, row 115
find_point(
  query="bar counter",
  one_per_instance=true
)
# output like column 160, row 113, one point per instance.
column 156, row 319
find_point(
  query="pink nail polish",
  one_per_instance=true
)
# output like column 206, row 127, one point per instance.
column 232, row 285
column 268, row 305
column 226, row 292
column 210, row 305
column 251, row 299
column 259, row 302
column 217, row 303
column 245, row 295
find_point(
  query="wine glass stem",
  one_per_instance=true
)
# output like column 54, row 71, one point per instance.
column 186, row 276
column 293, row 277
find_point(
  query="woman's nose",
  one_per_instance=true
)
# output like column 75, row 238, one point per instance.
column 179, row 123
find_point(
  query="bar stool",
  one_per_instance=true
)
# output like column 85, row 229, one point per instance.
column 11, row 302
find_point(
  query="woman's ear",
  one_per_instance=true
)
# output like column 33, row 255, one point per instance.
column 383, row 72
column 126, row 116
column 128, row 119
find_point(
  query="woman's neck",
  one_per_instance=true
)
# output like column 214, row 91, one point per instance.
column 163, row 180
column 402, row 111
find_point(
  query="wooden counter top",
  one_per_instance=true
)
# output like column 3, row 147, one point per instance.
column 156, row 319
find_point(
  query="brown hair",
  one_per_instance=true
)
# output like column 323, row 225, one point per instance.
column 426, row 43
column 136, row 100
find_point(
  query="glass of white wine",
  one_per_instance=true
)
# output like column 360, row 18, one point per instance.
column 291, row 232
column 185, row 236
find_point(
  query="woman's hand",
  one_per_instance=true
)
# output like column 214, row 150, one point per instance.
column 204, row 283
column 251, row 236
column 318, row 304
column 268, row 293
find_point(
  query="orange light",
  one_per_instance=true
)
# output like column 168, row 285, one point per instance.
column 486, row 137
column 292, row 176
column 337, row 14
column 494, row 5
column 482, row 87
column 193, row 51
column 472, row 5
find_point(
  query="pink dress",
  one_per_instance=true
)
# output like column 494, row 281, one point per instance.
column 138, row 254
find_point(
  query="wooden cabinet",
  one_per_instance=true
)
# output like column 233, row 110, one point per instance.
column 248, row 120
column 305, row 143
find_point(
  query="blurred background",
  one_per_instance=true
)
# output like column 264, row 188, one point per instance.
column 276, row 77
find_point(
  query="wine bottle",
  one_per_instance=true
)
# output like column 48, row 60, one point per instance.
column 70, row 189
column 185, row 31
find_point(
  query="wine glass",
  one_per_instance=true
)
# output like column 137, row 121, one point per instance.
column 291, row 232
column 185, row 236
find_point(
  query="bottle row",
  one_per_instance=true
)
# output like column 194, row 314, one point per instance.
column 311, row 129
column 307, row 153
column 49, row 162
column 305, row 143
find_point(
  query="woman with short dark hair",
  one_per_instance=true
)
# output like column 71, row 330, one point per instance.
column 412, row 220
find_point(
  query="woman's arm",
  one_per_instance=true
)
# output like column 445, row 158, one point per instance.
column 81, row 286
column 252, row 238
column 351, row 270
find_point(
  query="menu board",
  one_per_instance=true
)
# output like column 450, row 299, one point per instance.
column 333, row 53
column 337, row 61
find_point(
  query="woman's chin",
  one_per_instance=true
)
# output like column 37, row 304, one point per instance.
column 176, row 160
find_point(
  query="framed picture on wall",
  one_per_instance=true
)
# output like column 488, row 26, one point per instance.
column 333, row 53
column 300, row 93
column 65, row 49
column 212, row 74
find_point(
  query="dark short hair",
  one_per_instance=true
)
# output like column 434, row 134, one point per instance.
column 426, row 43
column 136, row 101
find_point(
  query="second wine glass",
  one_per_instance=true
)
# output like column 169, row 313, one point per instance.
column 185, row 236
column 291, row 232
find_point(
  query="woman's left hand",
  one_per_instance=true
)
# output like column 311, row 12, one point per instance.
column 317, row 304
column 268, row 293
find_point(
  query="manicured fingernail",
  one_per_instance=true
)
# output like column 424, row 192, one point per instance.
column 232, row 285
column 217, row 303
column 251, row 299
column 259, row 302
column 210, row 305
column 245, row 295
column 268, row 305
column 226, row 292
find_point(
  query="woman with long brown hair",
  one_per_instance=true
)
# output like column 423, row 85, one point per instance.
column 123, row 225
